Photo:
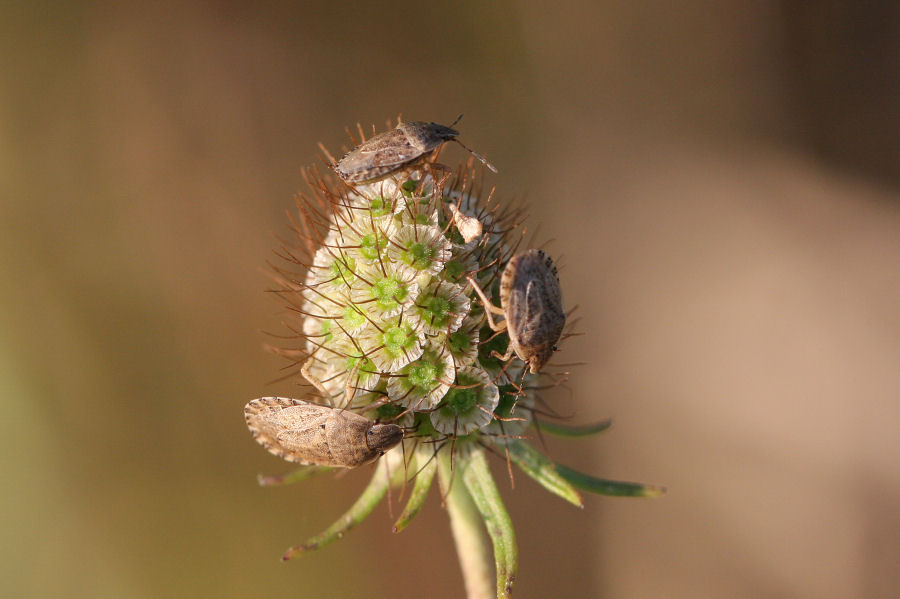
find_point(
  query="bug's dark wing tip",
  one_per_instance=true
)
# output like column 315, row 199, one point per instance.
column 253, row 407
column 264, row 404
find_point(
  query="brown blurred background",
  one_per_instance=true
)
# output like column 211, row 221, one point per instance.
column 721, row 180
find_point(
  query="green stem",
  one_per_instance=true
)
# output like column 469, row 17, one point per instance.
column 364, row 505
column 481, row 485
column 468, row 533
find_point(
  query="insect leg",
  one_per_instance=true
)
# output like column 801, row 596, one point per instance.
column 304, row 370
column 489, row 308
column 504, row 357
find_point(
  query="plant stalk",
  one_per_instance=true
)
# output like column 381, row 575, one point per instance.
column 468, row 533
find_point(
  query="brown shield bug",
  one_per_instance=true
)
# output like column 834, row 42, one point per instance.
column 531, row 304
column 392, row 150
column 310, row 433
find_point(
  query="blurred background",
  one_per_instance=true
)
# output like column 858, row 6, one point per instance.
column 721, row 183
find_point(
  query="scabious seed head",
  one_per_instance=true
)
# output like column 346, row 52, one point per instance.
column 391, row 327
column 392, row 277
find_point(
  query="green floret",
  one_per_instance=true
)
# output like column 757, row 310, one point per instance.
column 389, row 292
column 419, row 255
column 460, row 342
column 397, row 339
column 342, row 268
column 435, row 310
column 378, row 206
column 462, row 401
column 352, row 318
column 453, row 271
column 372, row 245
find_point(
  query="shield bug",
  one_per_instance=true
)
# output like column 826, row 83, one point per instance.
column 531, row 304
column 310, row 433
column 401, row 146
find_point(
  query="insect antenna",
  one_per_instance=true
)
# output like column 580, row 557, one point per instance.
column 483, row 160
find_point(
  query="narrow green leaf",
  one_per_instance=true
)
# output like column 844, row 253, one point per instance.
column 427, row 462
column 603, row 486
column 563, row 430
column 358, row 512
column 291, row 477
column 541, row 469
column 480, row 483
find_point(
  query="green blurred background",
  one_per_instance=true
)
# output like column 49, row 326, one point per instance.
column 720, row 179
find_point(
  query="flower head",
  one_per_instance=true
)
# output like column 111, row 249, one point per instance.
column 396, row 282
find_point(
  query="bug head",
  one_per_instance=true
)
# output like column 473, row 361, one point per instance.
column 429, row 136
column 382, row 437
column 539, row 358
column 438, row 131
column 443, row 131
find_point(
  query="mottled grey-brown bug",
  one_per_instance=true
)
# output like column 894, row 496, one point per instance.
column 532, row 307
column 310, row 433
column 392, row 150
